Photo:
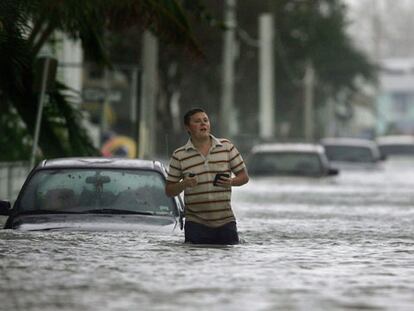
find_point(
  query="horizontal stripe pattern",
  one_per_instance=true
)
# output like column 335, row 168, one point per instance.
column 206, row 203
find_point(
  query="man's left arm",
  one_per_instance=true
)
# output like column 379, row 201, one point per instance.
column 238, row 167
column 241, row 177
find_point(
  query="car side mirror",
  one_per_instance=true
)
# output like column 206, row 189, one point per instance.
column 333, row 171
column 5, row 208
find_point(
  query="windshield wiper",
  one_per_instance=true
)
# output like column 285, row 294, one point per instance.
column 45, row 211
column 93, row 211
column 116, row 211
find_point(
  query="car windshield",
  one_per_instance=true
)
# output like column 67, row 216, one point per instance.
column 285, row 163
column 94, row 190
column 349, row 153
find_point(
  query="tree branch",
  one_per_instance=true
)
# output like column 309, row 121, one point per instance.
column 43, row 38
column 36, row 29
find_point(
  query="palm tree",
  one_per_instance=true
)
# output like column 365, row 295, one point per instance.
column 27, row 25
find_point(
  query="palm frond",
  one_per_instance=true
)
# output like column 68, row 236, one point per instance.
column 165, row 18
column 68, row 122
column 26, row 25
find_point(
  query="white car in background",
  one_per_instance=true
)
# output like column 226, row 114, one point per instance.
column 352, row 153
column 289, row 159
column 396, row 145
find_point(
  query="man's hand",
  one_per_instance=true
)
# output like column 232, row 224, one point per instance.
column 173, row 189
column 240, row 179
column 190, row 181
column 225, row 182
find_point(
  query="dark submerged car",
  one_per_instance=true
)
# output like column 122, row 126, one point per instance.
column 289, row 159
column 100, row 194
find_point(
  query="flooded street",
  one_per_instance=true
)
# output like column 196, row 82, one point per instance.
column 339, row 243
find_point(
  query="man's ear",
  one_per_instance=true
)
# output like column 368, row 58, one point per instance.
column 187, row 129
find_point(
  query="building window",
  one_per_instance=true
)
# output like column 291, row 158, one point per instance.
column 401, row 102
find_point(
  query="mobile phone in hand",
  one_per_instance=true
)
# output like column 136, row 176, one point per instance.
column 218, row 176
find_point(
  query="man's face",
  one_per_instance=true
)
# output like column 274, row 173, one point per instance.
column 199, row 126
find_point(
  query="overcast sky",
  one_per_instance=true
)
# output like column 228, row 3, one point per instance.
column 383, row 28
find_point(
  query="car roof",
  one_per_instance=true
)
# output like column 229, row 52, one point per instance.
column 348, row 141
column 288, row 147
column 395, row 139
column 100, row 162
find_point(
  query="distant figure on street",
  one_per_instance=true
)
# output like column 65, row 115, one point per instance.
column 206, row 168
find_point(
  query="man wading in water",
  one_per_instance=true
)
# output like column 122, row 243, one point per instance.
column 206, row 168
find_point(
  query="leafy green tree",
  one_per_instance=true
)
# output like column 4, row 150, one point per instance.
column 305, row 31
column 12, row 131
column 315, row 31
column 27, row 25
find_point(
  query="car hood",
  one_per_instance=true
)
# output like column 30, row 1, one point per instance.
column 92, row 222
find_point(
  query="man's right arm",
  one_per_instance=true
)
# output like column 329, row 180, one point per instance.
column 175, row 188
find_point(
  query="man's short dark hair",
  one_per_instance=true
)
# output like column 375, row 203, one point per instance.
column 191, row 112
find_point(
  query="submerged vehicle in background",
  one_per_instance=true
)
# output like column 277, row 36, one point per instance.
column 396, row 145
column 352, row 153
column 289, row 159
column 97, row 194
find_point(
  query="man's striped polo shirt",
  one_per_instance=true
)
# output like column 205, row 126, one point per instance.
column 205, row 203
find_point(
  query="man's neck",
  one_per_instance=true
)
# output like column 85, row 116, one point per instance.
column 201, row 142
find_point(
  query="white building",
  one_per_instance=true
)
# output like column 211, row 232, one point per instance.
column 395, row 101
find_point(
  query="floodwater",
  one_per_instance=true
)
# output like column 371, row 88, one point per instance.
column 340, row 243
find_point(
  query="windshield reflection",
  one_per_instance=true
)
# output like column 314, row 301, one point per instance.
column 86, row 190
column 286, row 163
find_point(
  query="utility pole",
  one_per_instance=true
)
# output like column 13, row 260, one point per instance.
column 105, row 108
column 134, row 104
column 377, row 31
column 309, row 118
column 266, row 77
column 377, row 38
column 228, row 120
column 48, row 67
column 331, row 123
column 149, row 87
